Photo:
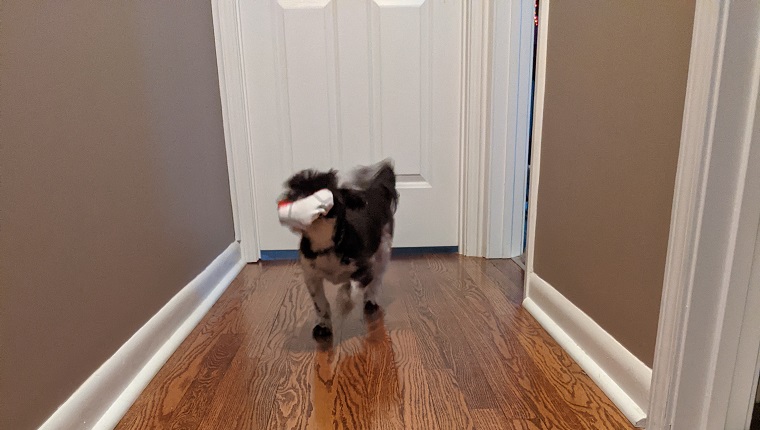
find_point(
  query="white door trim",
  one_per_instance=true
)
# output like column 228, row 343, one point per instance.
column 714, row 224
column 538, row 119
column 229, row 57
column 496, row 93
column 474, row 140
column 509, row 125
column 744, row 387
column 493, row 156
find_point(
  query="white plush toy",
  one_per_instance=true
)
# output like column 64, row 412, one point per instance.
column 301, row 213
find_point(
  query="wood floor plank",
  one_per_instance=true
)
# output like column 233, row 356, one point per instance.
column 368, row 391
column 486, row 419
column 155, row 407
column 418, row 409
column 442, row 336
column 550, row 395
column 197, row 399
column 244, row 397
column 502, row 359
column 452, row 411
column 293, row 348
column 507, row 275
column 575, row 387
column 416, row 302
column 504, row 372
column 451, row 348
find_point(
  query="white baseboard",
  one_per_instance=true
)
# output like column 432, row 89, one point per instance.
column 103, row 399
column 622, row 376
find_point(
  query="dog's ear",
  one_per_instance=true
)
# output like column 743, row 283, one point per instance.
column 352, row 199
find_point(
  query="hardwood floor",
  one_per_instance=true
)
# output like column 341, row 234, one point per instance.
column 450, row 349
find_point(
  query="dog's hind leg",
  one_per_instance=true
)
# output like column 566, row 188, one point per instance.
column 343, row 300
column 316, row 287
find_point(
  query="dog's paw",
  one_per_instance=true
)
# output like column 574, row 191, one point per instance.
column 321, row 332
column 370, row 307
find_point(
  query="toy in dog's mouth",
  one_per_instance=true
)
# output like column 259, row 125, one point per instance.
column 300, row 214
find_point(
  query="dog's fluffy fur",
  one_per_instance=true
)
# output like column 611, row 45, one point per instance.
column 352, row 243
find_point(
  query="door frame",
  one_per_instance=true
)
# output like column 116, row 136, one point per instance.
column 498, row 49
column 708, row 341
column 496, row 83
column 707, row 349
column 235, row 116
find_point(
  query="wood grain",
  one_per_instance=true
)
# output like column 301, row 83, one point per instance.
column 509, row 370
column 451, row 348
column 560, row 371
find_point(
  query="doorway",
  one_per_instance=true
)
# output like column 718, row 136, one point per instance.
column 335, row 84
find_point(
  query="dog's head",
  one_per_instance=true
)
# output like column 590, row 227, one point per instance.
column 308, row 182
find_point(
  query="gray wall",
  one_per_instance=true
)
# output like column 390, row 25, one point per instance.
column 615, row 89
column 114, row 188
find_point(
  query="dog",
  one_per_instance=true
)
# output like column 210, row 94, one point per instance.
column 351, row 243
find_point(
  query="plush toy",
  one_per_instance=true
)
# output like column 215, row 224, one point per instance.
column 299, row 215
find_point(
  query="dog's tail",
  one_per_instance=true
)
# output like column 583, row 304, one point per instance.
column 385, row 180
column 380, row 176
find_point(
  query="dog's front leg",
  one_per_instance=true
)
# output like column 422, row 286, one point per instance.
column 316, row 287
column 372, row 279
column 370, row 296
column 369, row 284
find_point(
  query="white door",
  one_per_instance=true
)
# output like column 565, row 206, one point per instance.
column 338, row 83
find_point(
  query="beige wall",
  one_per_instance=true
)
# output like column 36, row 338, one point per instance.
column 615, row 88
column 113, row 183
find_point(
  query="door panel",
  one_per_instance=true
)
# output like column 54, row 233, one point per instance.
column 337, row 83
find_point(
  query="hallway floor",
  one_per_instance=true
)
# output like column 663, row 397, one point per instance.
column 450, row 349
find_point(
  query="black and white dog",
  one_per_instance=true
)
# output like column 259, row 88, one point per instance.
column 351, row 244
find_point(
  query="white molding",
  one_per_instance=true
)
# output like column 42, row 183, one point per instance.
column 496, row 83
column 538, row 119
column 103, row 399
column 708, row 283
column 745, row 387
column 509, row 122
column 622, row 376
column 232, row 86
column 475, row 139
column 688, row 201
